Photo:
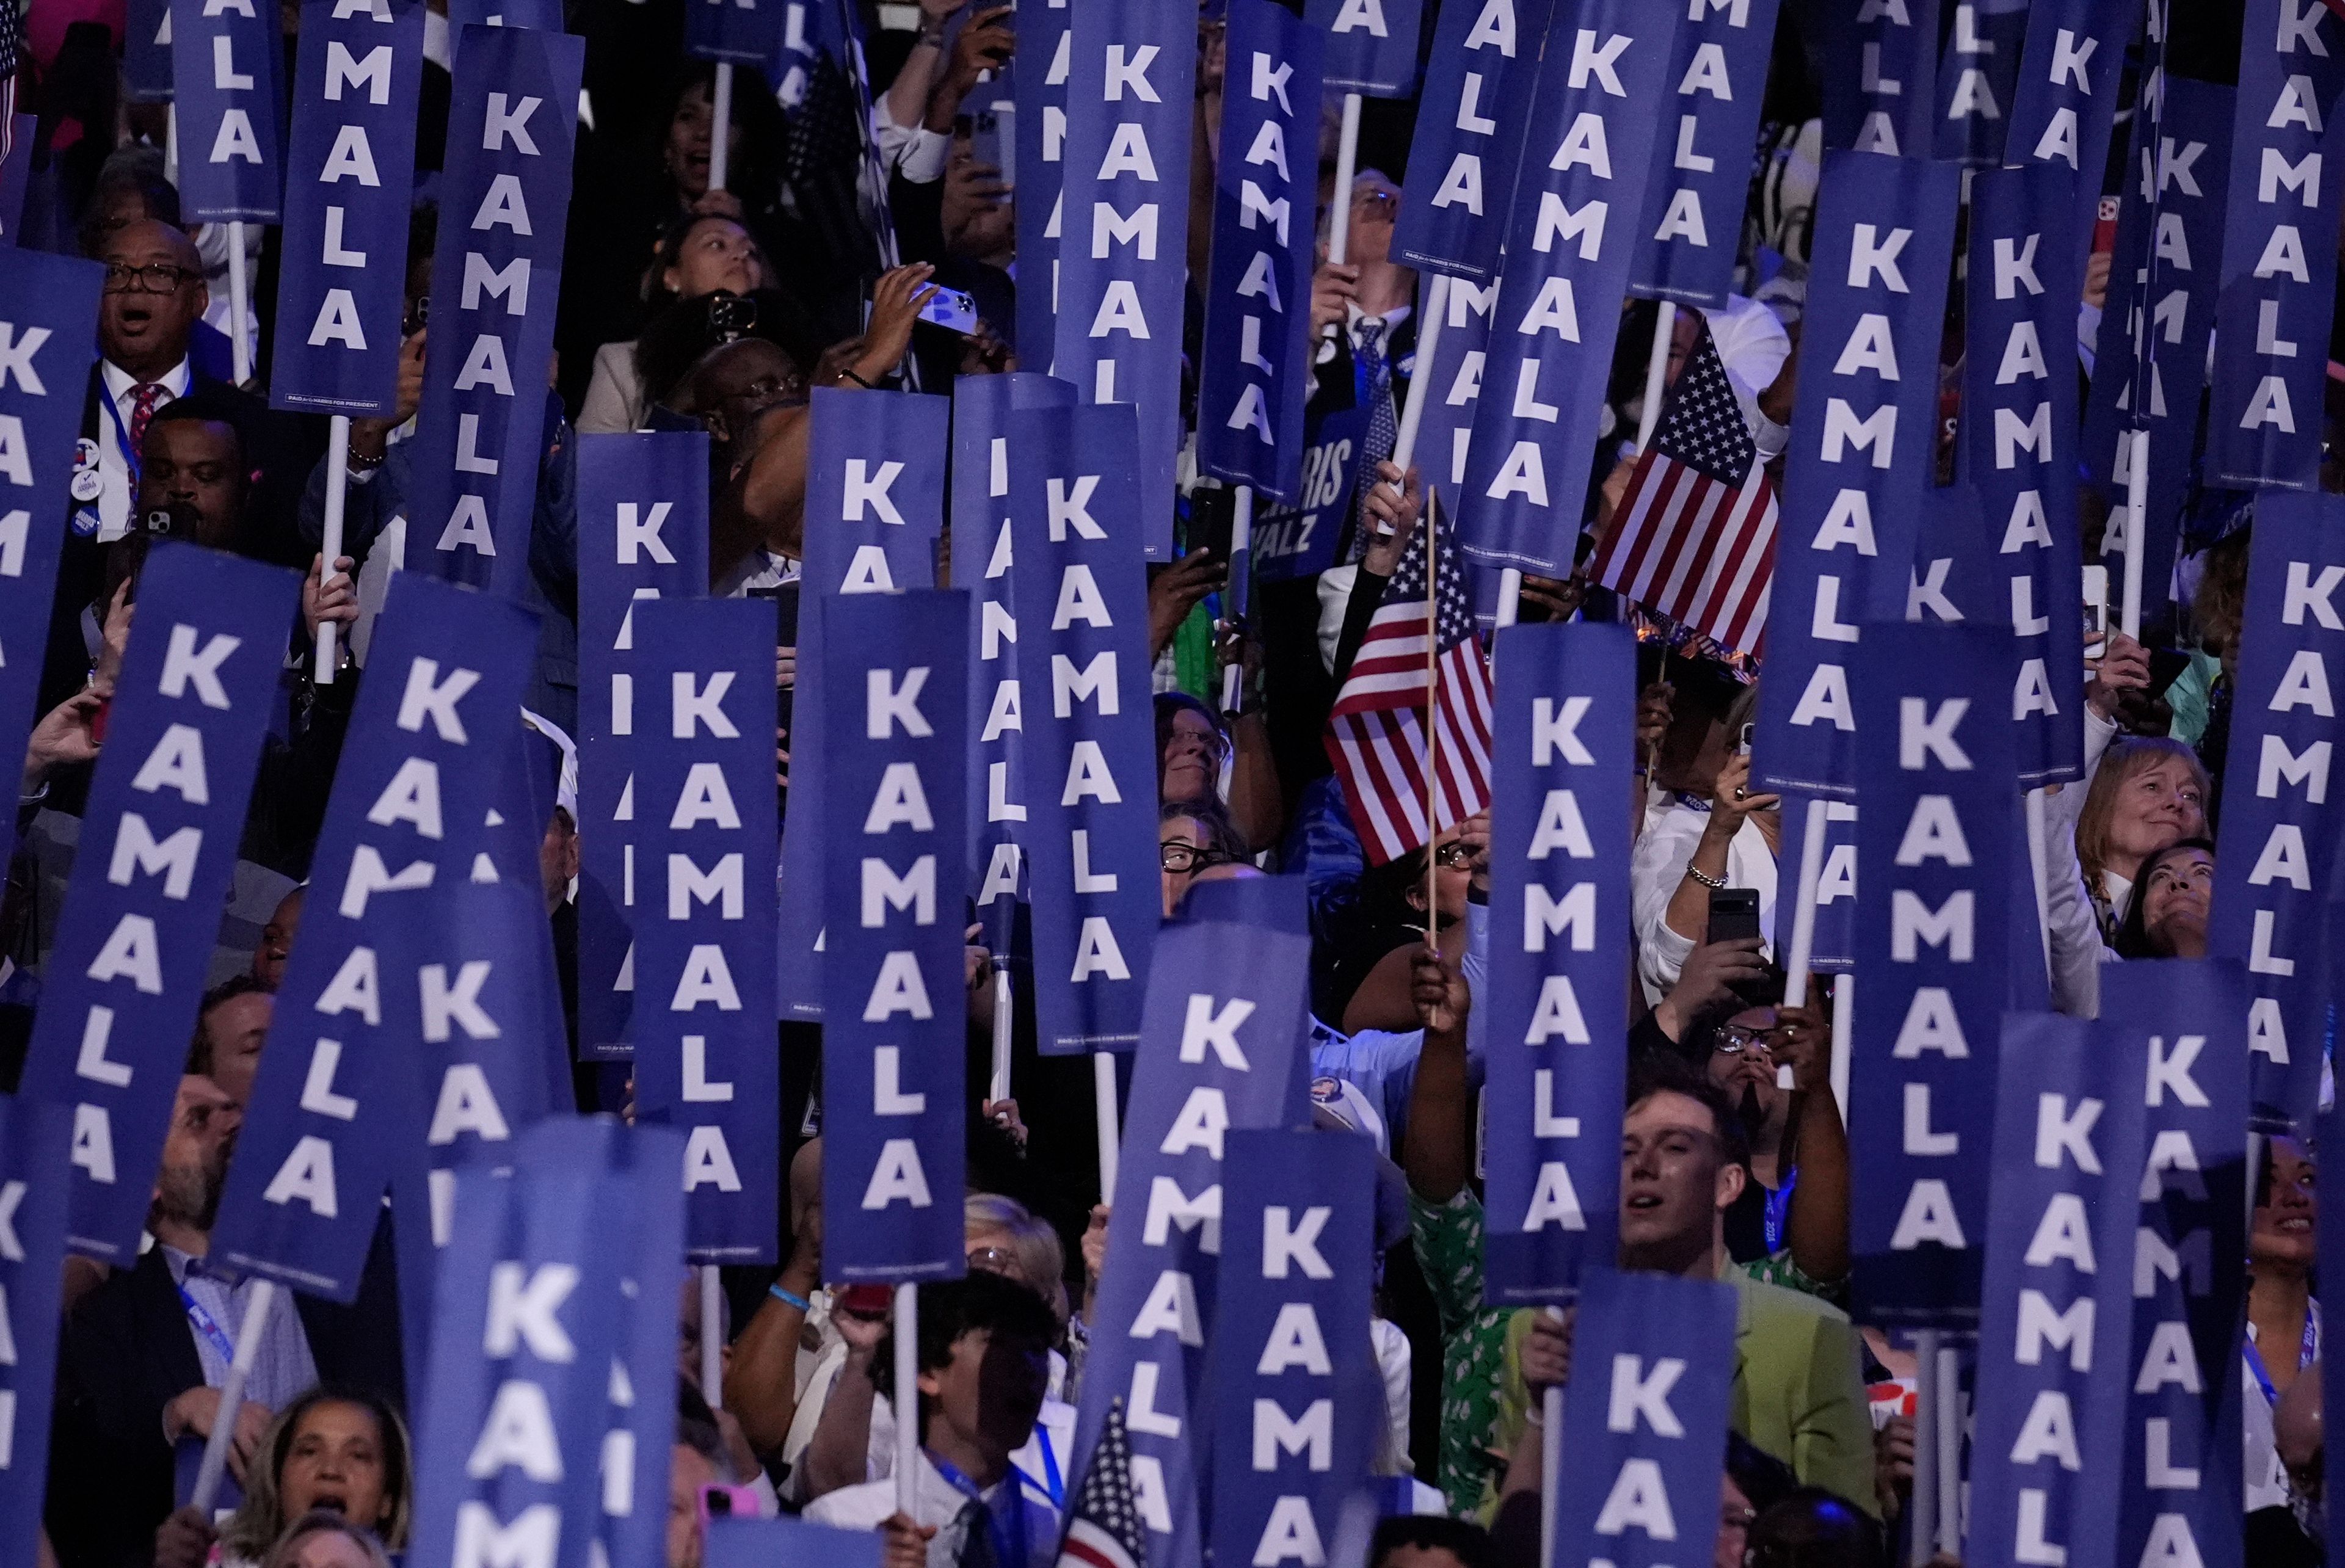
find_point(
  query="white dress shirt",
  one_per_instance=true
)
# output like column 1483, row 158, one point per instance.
column 936, row 1501
column 1657, row 866
column 112, row 508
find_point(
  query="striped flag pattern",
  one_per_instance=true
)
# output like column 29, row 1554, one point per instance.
column 1376, row 734
column 1694, row 535
column 1104, row 1530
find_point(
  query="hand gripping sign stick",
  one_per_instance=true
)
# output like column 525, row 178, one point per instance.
column 256, row 1308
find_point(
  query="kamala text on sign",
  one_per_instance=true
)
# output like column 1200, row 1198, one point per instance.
column 337, row 1111
column 704, row 1058
column 1880, row 74
column 348, row 177
column 2281, row 810
column 225, row 57
column 1460, row 196
column 1936, row 842
column 35, row 1171
column 1040, row 85
column 1559, row 910
column 895, row 1027
column 2279, row 267
column 2067, row 99
column 1700, row 180
column 1860, row 455
column 1124, row 228
column 166, row 808
column 1575, row 230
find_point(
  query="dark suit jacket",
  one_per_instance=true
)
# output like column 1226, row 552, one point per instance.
column 128, row 1351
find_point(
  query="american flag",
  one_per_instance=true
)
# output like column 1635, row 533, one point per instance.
column 1694, row 535
column 1104, row 1530
column 1375, row 735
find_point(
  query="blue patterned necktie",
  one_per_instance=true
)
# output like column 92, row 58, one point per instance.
column 1372, row 385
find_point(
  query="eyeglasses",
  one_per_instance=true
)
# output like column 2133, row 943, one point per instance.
column 992, row 1260
column 155, row 278
column 1453, row 856
column 1741, row 1519
column 1179, row 856
column 1736, row 1038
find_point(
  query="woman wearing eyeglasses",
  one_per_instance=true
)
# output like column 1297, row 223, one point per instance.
column 1191, row 836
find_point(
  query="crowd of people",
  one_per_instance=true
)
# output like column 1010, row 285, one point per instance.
column 686, row 304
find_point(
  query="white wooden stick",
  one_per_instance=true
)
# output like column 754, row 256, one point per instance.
column 1803, row 947
column 907, row 1330
column 1510, row 595
column 712, row 1337
column 1347, row 170
column 338, row 480
column 1004, row 1021
column 720, row 136
column 1420, row 385
column 1103, row 1097
column 1240, row 564
column 239, row 306
column 1949, row 1393
column 1656, row 371
column 1843, row 990
column 1922, row 1517
column 256, row 1308
column 2038, row 874
column 1550, row 1459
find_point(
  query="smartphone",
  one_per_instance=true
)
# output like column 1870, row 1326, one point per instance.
column 951, row 309
column 1212, row 520
column 727, row 1503
column 1742, row 741
column 870, row 1300
column 993, row 138
column 2105, row 225
column 2096, row 611
column 1733, row 915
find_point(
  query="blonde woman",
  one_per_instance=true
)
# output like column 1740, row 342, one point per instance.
column 340, row 1455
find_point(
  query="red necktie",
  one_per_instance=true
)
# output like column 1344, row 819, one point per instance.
column 143, row 397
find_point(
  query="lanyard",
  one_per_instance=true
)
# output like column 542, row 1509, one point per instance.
column 1779, row 1208
column 130, row 460
column 1050, row 1486
column 1008, row 1538
column 2304, row 1355
column 207, row 1326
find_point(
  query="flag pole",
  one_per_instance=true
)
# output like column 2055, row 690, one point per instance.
column 239, row 306
column 908, row 1398
column 720, row 134
column 262, row 1301
column 1240, row 592
column 338, row 483
column 712, row 1337
column 1432, row 722
column 1656, row 371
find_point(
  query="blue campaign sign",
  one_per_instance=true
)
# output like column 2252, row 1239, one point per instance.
column 2056, row 1325
column 1292, row 1367
column 1456, row 365
column 480, row 432
column 347, row 182
column 48, row 336
column 1880, row 62
column 1039, row 130
column 340, row 1108
column 147, row 64
column 526, row 1325
column 2184, row 1021
column 1935, row 842
column 1862, row 435
column 2272, row 880
column 1371, row 43
column 1575, row 231
column 1125, row 219
column 1300, row 539
column 1644, row 1420
column 2019, row 449
column 224, row 56
column 1701, row 180
column 35, row 1173
column 984, row 563
column 2279, row 269
column 1978, row 78
column 1222, row 1052
column 1563, row 749
column 895, row 1033
column 1460, row 198
column 15, row 175
column 1257, row 370
column 2067, row 99
column 704, row 1021
column 1081, row 608
column 2162, row 301
column 745, row 32
column 876, row 504
column 737, row 1542
column 165, row 809
column 643, row 533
